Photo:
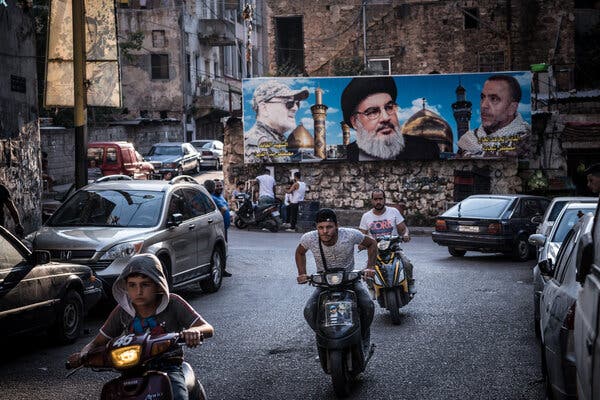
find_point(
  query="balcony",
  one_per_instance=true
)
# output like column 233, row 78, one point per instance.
column 216, row 32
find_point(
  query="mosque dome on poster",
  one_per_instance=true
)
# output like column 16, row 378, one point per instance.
column 427, row 124
column 300, row 138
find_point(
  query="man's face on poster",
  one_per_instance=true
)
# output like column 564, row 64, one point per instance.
column 279, row 113
column 497, row 106
column 377, row 127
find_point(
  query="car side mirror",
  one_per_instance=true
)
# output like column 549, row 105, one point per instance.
column 536, row 219
column 537, row 239
column 41, row 257
column 175, row 220
column 546, row 267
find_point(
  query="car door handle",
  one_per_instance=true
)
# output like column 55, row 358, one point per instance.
column 210, row 221
column 589, row 345
column 192, row 227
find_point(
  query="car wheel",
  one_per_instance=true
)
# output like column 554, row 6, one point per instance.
column 217, row 165
column 166, row 267
column 456, row 252
column 69, row 318
column 197, row 168
column 213, row 283
column 521, row 249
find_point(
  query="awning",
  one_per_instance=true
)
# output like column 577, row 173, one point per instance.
column 588, row 132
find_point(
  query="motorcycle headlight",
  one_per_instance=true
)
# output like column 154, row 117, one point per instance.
column 125, row 250
column 383, row 244
column 126, row 356
column 335, row 278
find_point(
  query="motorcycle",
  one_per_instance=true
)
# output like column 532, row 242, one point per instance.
column 339, row 339
column 264, row 216
column 132, row 356
column 390, row 282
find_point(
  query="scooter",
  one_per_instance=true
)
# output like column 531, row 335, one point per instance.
column 390, row 282
column 132, row 355
column 265, row 216
column 338, row 336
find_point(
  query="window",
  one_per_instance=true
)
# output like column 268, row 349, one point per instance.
column 230, row 62
column 180, row 205
column 471, row 18
column 379, row 66
column 488, row 62
column 160, row 66
column 188, row 67
column 158, row 39
column 217, row 71
column 564, row 256
column 164, row 114
column 111, row 155
column 289, row 45
column 200, row 203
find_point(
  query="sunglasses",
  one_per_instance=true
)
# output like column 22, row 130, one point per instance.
column 289, row 104
column 373, row 113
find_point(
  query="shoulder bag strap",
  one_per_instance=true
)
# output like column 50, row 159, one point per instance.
column 322, row 255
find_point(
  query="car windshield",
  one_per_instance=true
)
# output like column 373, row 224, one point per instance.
column 478, row 207
column 207, row 145
column 122, row 208
column 556, row 209
column 569, row 218
column 165, row 151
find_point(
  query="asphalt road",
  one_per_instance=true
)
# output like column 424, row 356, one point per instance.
column 467, row 334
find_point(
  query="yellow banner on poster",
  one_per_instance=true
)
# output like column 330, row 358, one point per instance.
column 102, row 60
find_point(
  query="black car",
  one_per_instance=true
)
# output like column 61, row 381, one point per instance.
column 175, row 157
column 36, row 294
column 491, row 224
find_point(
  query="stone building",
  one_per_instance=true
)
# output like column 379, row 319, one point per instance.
column 420, row 37
column 20, row 161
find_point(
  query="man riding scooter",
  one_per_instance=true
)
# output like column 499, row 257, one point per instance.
column 333, row 248
column 387, row 221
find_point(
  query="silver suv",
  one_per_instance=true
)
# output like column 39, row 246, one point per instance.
column 103, row 224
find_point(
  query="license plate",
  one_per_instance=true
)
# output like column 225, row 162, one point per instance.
column 275, row 213
column 466, row 228
column 338, row 313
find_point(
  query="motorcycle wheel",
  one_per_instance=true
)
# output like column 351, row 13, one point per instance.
column 272, row 224
column 239, row 223
column 391, row 302
column 339, row 375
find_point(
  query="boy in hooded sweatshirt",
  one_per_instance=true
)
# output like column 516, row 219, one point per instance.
column 144, row 303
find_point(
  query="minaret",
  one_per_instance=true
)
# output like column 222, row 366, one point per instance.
column 345, row 133
column 462, row 111
column 319, row 113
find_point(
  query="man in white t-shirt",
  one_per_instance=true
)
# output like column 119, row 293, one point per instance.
column 387, row 221
column 296, row 191
column 266, row 188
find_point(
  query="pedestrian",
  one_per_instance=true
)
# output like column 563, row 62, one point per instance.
column 6, row 200
column 168, row 176
column 222, row 204
column 240, row 188
column 266, row 188
column 296, row 191
column 93, row 172
column 593, row 178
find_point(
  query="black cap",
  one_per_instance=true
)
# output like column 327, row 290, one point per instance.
column 360, row 88
column 592, row 169
column 326, row 215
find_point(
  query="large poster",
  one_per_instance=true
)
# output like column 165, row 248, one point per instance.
column 371, row 118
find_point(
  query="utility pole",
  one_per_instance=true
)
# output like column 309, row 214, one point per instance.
column 80, row 104
column 364, row 27
column 248, row 16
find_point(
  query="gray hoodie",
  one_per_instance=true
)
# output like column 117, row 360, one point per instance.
column 173, row 312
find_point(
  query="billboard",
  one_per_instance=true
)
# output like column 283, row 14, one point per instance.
column 376, row 118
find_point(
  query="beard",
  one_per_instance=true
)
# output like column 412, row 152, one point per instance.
column 380, row 146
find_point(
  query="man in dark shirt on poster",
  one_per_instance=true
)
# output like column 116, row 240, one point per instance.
column 369, row 106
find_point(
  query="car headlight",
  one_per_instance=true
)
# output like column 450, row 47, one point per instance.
column 170, row 165
column 125, row 250
column 126, row 356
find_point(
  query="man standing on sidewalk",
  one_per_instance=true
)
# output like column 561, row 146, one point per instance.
column 387, row 221
column 266, row 188
column 297, row 191
column 215, row 188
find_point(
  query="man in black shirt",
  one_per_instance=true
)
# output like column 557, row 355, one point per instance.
column 5, row 200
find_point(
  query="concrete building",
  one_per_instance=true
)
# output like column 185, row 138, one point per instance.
column 20, row 161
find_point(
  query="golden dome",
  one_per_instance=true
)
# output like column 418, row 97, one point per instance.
column 300, row 138
column 427, row 124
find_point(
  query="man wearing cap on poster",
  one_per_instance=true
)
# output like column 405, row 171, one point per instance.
column 369, row 106
column 593, row 178
column 275, row 105
column 503, row 131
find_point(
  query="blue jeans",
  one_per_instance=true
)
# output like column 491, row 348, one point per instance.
column 177, row 379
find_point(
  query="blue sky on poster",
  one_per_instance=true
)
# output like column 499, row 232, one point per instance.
column 438, row 92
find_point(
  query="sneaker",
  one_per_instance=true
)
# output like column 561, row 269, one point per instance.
column 264, row 230
column 290, row 230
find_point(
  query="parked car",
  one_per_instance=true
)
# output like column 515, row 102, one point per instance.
column 36, row 294
column 556, row 205
column 490, row 223
column 105, row 223
column 548, row 248
column 118, row 158
column 557, row 314
column 587, row 318
column 175, row 157
column 211, row 152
